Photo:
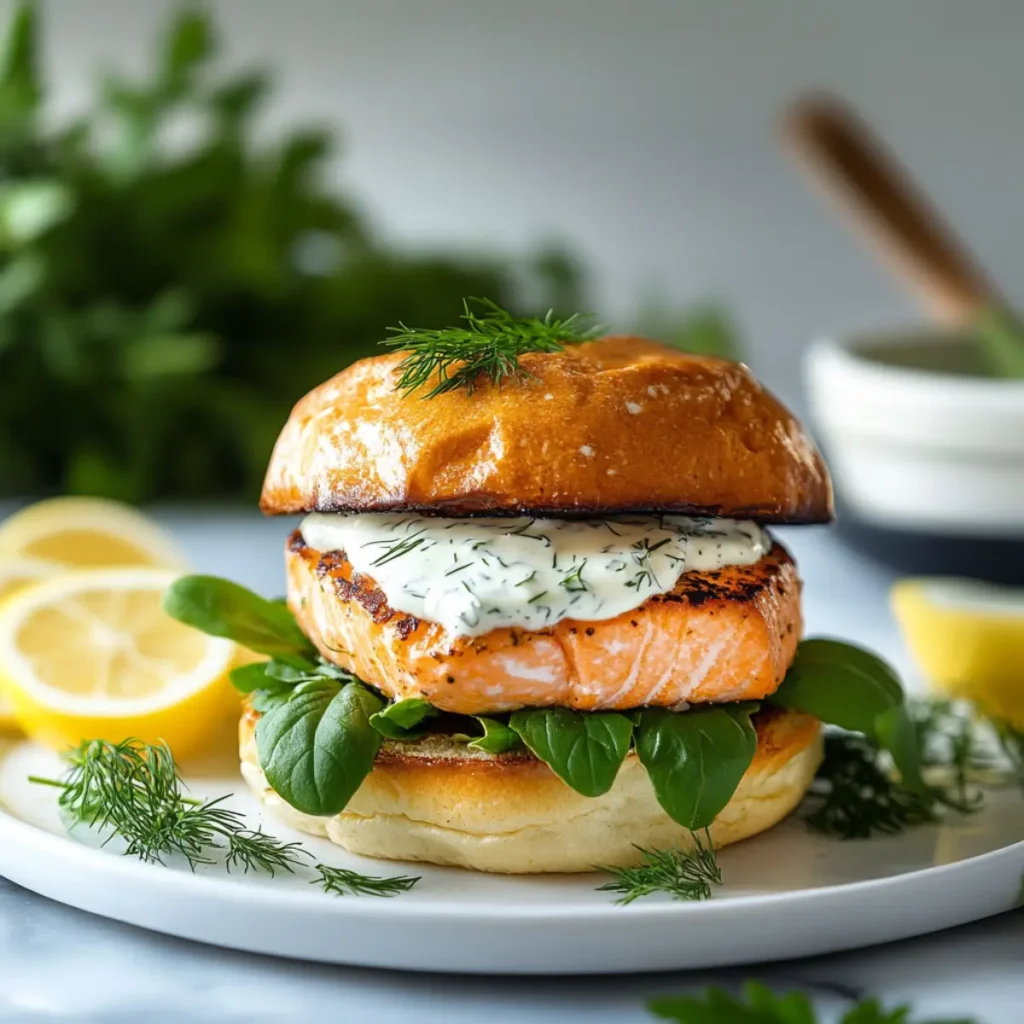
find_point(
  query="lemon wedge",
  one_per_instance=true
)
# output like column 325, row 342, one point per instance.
column 92, row 654
column 968, row 640
column 84, row 533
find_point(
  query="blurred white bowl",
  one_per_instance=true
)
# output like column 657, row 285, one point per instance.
column 916, row 437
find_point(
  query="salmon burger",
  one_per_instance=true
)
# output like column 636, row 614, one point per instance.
column 561, row 602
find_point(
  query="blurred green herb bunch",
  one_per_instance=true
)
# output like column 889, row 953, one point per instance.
column 169, row 285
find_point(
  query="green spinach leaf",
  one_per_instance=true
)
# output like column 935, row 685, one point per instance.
column 696, row 758
column 247, row 678
column 846, row 686
column 839, row 684
column 896, row 731
column 399, row 721
column 222, row 608
column 584, row 749
column 317, row 748
column 267, row 699
column 498, row 737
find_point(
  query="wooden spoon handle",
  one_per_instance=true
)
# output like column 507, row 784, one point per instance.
column 873, row 190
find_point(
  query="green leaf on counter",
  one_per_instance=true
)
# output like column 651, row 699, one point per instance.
column 317, row 748
column 696, row 759
column 584, row 749
column 758, row 1004
column 497, row 738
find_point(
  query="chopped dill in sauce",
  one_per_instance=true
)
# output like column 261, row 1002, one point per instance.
column 474, row 575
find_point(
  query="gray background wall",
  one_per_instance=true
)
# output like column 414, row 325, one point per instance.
column 640, row 132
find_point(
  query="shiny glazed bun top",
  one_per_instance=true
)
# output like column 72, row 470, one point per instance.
column 617, row 425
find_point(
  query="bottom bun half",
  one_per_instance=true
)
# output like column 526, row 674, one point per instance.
column 440, row 802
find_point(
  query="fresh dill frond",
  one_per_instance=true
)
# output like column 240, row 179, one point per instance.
column 854, row 797
column 642, row 551
column 1011, row 744
column 343, row 882
column 856, row 793
column 573, row 580
column 133, row 791
column 487, row 345
column 682, row 874
column 398, row 548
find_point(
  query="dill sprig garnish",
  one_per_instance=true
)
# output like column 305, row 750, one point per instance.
column 853, row 797
column 682, row 874
column 487, row 346
column 133, row 790
column 856, row 794
column 343, row 882
column 1011, row 745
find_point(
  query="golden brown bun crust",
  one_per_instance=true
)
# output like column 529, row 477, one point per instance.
column 616, row 425
column 724, row 635
column 438, row 802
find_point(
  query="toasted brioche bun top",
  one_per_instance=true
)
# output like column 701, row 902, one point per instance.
column 617, row 425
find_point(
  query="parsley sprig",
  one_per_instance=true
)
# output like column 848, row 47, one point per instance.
column 487, row 346
column 757, row 1004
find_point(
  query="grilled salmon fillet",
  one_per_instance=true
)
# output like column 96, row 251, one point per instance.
column 718, row 636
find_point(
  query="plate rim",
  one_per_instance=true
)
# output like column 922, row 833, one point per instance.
column 16, row 833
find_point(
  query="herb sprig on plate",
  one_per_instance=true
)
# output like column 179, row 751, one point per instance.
column 133, row 792
column 682, row 874
column 487, row 346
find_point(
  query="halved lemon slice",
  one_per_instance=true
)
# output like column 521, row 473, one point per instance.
column 86, row 532
column 14, row 576
column 968, row 640
column 92, row 654
column 18, row 573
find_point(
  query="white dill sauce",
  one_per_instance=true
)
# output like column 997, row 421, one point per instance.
column 474, row 575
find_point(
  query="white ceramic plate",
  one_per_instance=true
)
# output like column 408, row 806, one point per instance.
column 788, row 893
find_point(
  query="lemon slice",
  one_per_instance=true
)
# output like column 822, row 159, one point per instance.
column 92, row 654
column 968, row 640
column 86, row 532
column 14, row 576
column 20, row 572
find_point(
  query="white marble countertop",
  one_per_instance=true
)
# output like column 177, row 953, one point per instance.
column 58, row 964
